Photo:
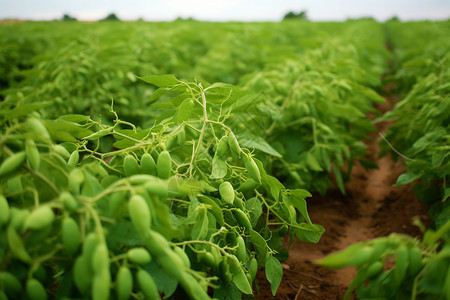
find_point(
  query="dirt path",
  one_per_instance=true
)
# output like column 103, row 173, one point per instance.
column 371, row 208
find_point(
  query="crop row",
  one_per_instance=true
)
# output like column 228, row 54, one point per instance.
column 420, row 136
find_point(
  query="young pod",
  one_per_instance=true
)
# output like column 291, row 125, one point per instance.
column 32, row 154
column 181, row 137
column 241, row 250
column 100, row 259
column 35, row 290
column 130, row 166
column 4, row 210
column 124, row 283
column 12, row 163
column 101, row 285
column 18, row 217
column 82, row 273
column 164, row 165
column 226, row 192
column 76, row 179
column 242, row 219
column 10, row 284
column 253, row 268
column 139, row 214
column 38, row 130
column 16, row 245
column 374, row 269
column 415, row 260
column 206, row 258
column 71, row 235
column 39, row 218
column 69, row 202
column 234, row 145
column 139, row 256
column 183, row 256
column 74, row 158
column 222, row 148
column 362, row 256
column 224, row 272
column 252, row 168
column 147, row 285
column 148, row 165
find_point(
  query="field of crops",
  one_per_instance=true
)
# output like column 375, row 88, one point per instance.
column 225, row 160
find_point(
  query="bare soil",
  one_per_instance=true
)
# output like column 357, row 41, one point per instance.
column 371, row 208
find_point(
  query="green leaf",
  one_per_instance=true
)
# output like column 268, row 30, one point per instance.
column 200, row 229
column 340, row 259
column 310, row 233
column 274, row 273
column 251, row 141
column 161, row 80
column 260, row 244
column 274, row 187
column 446, row 194
column 184, row 111
column 297, row 199
column 406, row 178
column 339, row 179
column 165, row 283
column 254, row 207
column 312, row 162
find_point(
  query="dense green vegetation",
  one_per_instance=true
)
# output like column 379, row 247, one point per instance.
column 421, row 137
column 118, row 180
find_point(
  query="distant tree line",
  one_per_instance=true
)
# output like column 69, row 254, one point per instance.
column 110, row 17
column 292, row 15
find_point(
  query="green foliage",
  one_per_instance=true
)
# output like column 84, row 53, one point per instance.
column 421, row 270
column 421, row 132
column 100, row 211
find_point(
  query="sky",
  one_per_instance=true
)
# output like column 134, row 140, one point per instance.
column 225, row 10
